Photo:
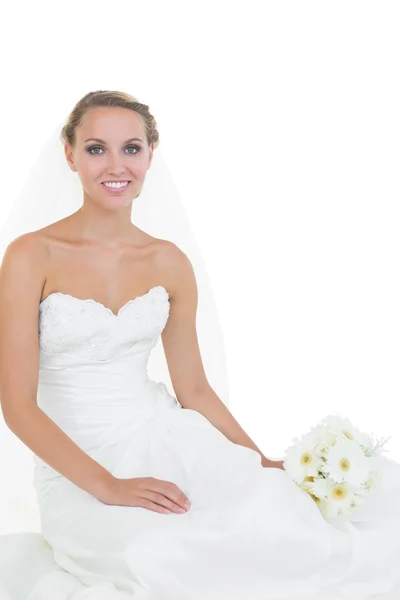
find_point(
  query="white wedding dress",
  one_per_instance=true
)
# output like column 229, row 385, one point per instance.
column 250, row 533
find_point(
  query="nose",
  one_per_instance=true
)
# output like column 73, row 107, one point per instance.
column 115, row 164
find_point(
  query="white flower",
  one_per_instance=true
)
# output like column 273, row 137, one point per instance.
column 301, row 460
column 356, row 501
column 328, row 509
column 375, row 475
column 346, row 462
column 340, row 499
column 344, row 428
column 321, row 488
column 307, row 484
column 315, row 435
column 319, row 438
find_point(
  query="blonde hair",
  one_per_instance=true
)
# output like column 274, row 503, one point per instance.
column 111, row 99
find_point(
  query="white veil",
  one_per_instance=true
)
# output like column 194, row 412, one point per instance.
column 159, row 211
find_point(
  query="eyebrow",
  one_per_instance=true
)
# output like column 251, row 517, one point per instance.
column 103, row 142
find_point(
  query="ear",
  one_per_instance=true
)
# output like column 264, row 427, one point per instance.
column 69, row 156
column 151, row 152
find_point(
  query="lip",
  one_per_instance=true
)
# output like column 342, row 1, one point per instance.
column 116, row 190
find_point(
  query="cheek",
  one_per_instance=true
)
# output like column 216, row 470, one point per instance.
column 136, row 171
column 140, row 168
column 90, row 171
column 141, row 173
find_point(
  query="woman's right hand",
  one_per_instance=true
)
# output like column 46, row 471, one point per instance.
column 146, row 492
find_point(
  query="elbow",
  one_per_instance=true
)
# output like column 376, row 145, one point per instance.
column 14, row 413
column 196, row 396
column 8, row 417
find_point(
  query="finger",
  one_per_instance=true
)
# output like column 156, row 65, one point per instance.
column 155, row 507
column 172, row 491
column 163, row 501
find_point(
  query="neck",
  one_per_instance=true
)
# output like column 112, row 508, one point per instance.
column 95, row 224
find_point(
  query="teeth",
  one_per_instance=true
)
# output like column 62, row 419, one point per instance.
column 116, row 185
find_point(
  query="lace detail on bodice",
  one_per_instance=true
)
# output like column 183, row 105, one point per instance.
column 88, row 329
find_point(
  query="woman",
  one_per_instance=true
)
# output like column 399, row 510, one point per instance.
column 141, row 494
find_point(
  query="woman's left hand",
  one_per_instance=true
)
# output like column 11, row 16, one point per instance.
column 277, row 464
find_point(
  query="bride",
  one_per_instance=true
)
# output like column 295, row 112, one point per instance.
column 143, row 494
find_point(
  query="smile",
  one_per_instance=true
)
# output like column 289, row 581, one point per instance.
column 115, row 184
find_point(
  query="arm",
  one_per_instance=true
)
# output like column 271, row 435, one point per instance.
column 211, row 406
column 21, row 283
column 182, row 352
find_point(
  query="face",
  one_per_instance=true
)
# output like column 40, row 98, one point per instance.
column 123, row 155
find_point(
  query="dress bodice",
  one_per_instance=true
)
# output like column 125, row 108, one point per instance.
column 88, row 330
column 93, row 362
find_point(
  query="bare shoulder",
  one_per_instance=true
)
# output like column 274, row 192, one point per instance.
column 174, row 259
column 175, row 264
column 23, row 267
column 28, row 247
column 37, row 242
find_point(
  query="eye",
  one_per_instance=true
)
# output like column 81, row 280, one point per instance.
column 93, row 148
column 137, row 148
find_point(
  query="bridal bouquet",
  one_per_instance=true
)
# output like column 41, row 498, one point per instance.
column 336, row 464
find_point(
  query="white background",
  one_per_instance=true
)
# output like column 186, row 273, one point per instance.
column 280, row 124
